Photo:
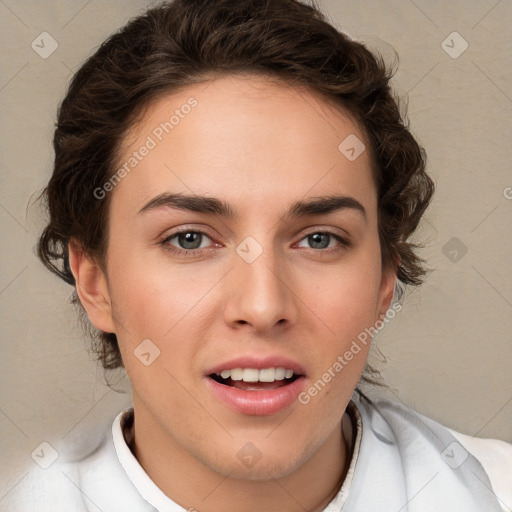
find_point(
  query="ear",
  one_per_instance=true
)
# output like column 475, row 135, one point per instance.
column 387, row 289
column 91, row 287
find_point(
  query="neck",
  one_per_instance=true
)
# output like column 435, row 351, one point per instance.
column 194, row 485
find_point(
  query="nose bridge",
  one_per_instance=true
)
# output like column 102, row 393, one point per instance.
column 259, row 294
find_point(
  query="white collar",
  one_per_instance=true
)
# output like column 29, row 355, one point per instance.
column 397, row 463
column 139, row 478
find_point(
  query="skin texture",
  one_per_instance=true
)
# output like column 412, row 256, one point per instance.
column 260, row 146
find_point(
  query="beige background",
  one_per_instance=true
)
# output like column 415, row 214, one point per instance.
column 449, row 353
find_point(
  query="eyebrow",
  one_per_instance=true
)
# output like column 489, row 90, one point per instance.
column 211, row 205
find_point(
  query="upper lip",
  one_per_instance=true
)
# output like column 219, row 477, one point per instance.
column 259, row 362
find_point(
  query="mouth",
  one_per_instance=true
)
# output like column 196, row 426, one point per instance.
column 254, row 379
column 257, row 387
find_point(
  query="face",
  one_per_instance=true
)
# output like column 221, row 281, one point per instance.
column 230, row 305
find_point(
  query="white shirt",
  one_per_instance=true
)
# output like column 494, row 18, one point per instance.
column 399, row 461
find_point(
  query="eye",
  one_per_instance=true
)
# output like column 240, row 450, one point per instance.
column 190, row 242
column 320, row 240
column 186, row 241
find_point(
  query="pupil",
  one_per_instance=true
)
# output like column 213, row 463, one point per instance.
column 189, row 240
column 316, row 240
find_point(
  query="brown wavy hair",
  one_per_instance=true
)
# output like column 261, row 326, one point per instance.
column 183, row 42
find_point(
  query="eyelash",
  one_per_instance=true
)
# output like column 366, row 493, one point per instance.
column 344, row 243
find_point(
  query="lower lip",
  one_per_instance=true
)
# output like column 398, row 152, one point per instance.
column 257, row 403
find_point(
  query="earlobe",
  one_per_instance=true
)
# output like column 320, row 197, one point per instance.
column 91, row 287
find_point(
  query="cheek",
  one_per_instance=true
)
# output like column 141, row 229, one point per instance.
column 169, row 306
column 344, row 303
column 153, row 297
column 347, row 295
column 345, row 316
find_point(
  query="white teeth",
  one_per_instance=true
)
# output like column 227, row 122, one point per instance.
column 267, row 375
column 236, row 374
column 250, row 375
column 255, row 375
column 280, row 373
column 225, row 374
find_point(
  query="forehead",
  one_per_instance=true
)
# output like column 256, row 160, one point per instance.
column 243, row 137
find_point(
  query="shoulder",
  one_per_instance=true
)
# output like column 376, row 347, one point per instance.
column 496, row 458
column 46, row 490
column 77, row 482
column 413, row 429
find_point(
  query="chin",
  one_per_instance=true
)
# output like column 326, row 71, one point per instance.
column 263, row 471
column 249, row 463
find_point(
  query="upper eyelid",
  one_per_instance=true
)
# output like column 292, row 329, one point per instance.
column 187, row 230
column 306, row 231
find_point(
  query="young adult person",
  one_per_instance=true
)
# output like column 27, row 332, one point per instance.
column 233, row 197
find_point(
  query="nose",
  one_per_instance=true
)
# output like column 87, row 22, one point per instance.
column 260, row 294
